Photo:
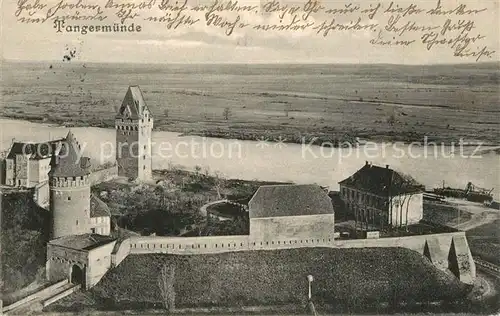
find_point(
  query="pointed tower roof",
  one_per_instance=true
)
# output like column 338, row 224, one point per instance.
column 68, row 163
column 133, row 105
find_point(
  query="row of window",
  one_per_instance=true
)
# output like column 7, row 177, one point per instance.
column 367, row 199
column 127, row 128
column 142, row 120
column 229, row 245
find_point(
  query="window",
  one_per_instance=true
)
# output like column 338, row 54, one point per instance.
column 76, row 222
column 144, row 167
column 81, row 178
column 74, row 178
column 69, row 198
column 92, row 230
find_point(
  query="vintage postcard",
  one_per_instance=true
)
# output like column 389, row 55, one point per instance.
column 250, row 157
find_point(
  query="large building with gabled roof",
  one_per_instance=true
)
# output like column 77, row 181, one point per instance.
column 27, row 164
column 134, row 125
column 380, row 197
column 296, row 212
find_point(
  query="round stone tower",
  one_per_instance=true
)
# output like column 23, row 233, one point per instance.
column 70, row 190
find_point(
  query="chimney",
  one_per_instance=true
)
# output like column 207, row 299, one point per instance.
column 366, row 164
column 387, row 166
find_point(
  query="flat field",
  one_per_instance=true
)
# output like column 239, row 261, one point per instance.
column 332, row 102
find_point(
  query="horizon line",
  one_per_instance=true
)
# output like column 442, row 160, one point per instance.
column 250, row 63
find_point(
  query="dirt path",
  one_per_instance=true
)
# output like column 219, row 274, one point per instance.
column 203, row 209
column 481, row 214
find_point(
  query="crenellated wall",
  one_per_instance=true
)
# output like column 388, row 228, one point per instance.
column 445, row 251
column 70, row 205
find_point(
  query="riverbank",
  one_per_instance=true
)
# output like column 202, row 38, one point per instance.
column 323, row 136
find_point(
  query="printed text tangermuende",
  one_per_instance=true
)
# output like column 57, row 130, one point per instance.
column 61, row 27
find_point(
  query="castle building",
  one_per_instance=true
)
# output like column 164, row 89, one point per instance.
column 134, row 125
column 100, row 217
column 70, row 190
column 291, row 212
column 74, row 210
column 82, row 259
column 80, row 248
column 380, row 197
column 28, row 164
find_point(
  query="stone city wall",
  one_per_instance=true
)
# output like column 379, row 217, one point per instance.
column 103, row 175
column 445, row 251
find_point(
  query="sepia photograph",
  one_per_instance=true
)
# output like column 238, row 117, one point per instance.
column 250, row 157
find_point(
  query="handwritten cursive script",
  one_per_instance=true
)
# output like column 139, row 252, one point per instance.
column 423, row 25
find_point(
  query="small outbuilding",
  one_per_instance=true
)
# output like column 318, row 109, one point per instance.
column 82, row 259
column 291, row 213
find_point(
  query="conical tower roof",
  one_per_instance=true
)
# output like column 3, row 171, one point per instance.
column 133, row 105
column 68, row 162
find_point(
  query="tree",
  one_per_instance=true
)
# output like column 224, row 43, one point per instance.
column 166, row 280
column 219, row 183
column 406, row 187
column 226, row 113
column 197, row 170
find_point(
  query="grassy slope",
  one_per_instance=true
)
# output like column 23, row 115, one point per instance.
column 329, row 101
column 342, row 277
column 25, row 228
column 484, row 241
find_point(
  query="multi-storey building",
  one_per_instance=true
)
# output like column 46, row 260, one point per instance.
column 134, row 125
column 380, row 197
column 28, row 164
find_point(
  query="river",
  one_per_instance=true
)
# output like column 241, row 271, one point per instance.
column 300, row 163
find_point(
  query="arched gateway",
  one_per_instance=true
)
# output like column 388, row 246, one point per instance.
column 77, row 275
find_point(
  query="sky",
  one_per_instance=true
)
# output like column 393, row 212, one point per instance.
column 200, row 43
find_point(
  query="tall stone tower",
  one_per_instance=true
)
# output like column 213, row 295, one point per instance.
column 134, row 125
column 70, row 190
